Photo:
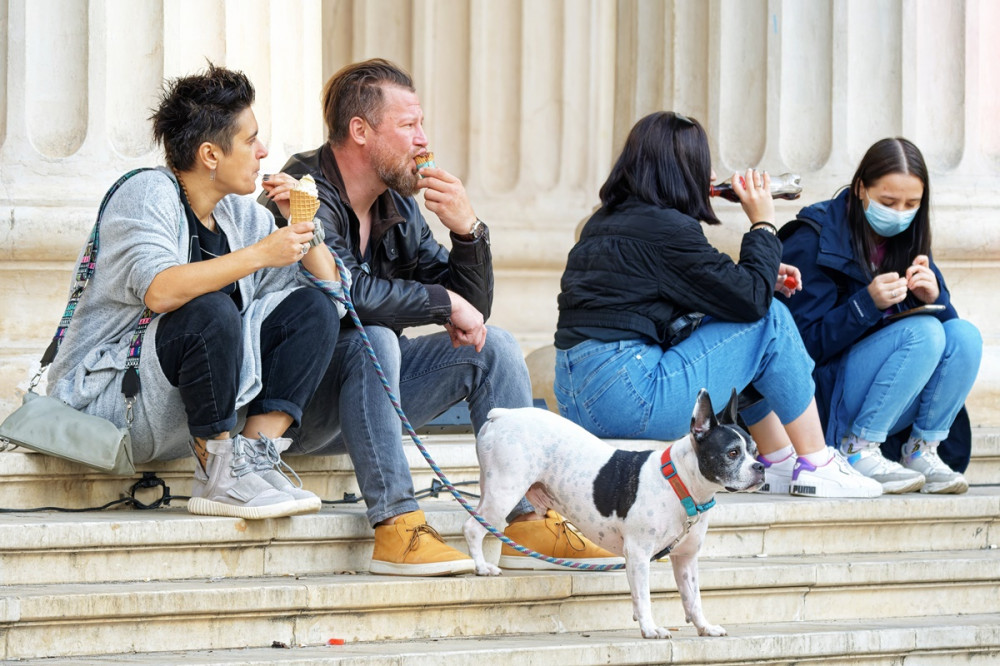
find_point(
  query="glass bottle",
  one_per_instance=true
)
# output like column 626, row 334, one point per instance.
column 783, row 186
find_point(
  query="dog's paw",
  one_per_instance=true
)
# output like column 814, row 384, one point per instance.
column 487, row 569
column 711, row 630
column 656, row 632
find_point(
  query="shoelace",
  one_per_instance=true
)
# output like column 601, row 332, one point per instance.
column 931, row 456
column 840, row 460
column 415, row 539
column 882, row 464
column 243, row 460
column 570, row 530
column 268, row 458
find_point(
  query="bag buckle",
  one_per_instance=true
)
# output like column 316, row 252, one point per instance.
column 128, row 412
column 37, row 378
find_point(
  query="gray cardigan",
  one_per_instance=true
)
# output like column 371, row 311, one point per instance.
column 143, row 232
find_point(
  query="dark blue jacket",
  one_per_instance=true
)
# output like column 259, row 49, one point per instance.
column 834, row 309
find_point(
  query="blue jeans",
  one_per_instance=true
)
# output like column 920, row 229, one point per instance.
column 636, row 390
column 915, row 371
column 350, row 411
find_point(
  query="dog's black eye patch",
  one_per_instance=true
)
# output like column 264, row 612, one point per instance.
column 617, row 483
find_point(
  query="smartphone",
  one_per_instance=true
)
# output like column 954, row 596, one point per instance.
column 920, row 309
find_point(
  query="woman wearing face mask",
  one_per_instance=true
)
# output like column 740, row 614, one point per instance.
column 865, row 255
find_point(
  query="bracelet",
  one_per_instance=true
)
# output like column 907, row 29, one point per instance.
column 766, row 226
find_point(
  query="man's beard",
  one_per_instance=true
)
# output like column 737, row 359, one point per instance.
column 398, row 176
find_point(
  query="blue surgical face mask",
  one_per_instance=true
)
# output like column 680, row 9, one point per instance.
column 888, row 221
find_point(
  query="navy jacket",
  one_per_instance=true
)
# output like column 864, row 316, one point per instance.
column 834, row 309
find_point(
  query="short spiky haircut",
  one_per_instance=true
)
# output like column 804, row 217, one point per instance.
column 356, row 91
column 199, row 108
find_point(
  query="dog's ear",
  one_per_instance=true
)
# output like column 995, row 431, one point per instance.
column 703, row 418
column 731, row 410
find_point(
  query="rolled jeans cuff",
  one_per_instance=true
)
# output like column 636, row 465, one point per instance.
column 269, row 405
column 211, row 430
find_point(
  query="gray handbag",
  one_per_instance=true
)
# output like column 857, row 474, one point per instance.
column 48, row 425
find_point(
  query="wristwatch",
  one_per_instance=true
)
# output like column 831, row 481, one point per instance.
column 477, row 231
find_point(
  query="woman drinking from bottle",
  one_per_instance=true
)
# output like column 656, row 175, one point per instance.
column 629, row 358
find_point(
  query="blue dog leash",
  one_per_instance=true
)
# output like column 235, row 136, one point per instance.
column 348, row 303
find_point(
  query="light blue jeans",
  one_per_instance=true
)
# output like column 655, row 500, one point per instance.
column 351, row 412
column 915, row 371
column 635, row 390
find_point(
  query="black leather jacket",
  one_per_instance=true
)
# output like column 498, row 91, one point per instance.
column 407, row 271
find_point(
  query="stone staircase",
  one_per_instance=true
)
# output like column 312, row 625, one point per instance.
column 901, row 579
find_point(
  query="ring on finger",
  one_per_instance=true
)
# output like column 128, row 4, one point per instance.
column 305, row 248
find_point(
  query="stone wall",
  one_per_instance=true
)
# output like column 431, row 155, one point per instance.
column 527, row 101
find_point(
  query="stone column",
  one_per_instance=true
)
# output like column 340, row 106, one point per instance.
column 527, row 101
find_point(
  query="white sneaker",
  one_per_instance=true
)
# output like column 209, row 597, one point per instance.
column 228, row 486
column 940, row 477
column 777, row 475
column 268, row 465
column 834, row 479
column 894, row 477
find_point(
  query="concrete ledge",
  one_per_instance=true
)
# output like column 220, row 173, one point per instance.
column 170, row 544
column 148, row 617
column 973, row 640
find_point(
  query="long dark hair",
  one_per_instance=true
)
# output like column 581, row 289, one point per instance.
column 665, row 162
column 885, row 157
column 198, row 108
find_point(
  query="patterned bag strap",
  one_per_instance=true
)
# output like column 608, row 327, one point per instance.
column 85, row 271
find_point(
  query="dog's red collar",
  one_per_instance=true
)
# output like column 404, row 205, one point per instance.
column 669, row 471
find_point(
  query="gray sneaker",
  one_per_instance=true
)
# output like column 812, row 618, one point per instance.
column 228, row 486
column 940, row 477
column 894, row 477
column 268, row 465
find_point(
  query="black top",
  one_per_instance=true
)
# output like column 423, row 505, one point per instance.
column 208, row 244
column 638, row 267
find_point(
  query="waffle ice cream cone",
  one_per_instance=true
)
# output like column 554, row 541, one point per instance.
column 424, row 161
column 304, row 200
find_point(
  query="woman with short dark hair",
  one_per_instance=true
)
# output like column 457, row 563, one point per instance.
column 629, row 359
column 865, row 256
column 232, row 323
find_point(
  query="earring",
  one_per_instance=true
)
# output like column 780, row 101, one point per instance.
column 211, row 174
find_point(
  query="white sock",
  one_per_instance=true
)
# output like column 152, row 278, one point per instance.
column 914, row 443
column 853, row 444
column 818, row 458
column 779, row 455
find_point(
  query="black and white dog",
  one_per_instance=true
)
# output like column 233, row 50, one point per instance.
column 641, row 504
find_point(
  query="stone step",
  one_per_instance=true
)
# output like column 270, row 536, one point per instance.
column 969, row 639
column 30, row 480
column 170, row 544
column 80, row 619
